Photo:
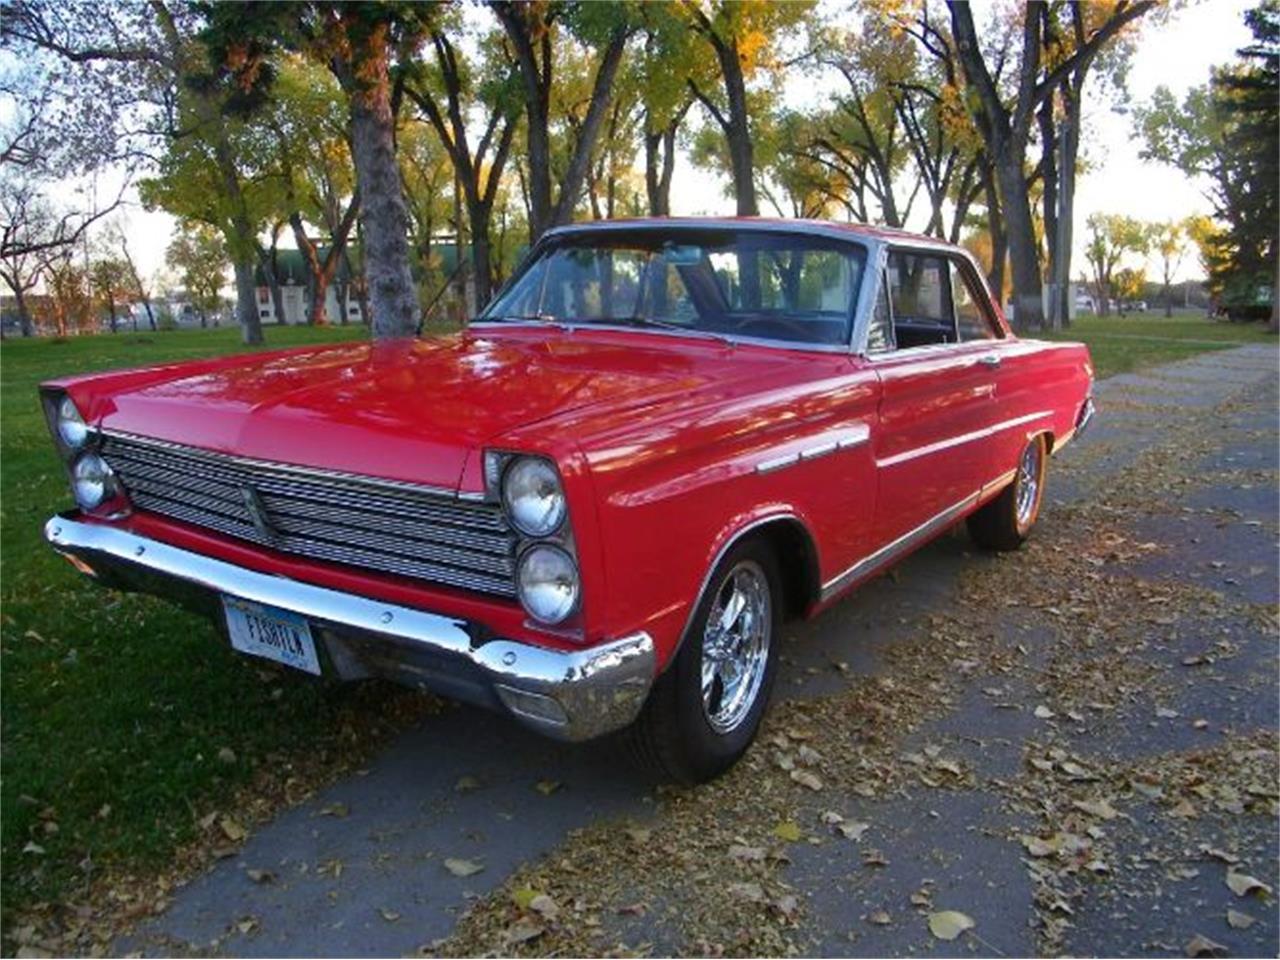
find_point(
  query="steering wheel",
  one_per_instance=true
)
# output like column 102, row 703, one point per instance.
column 795, row 328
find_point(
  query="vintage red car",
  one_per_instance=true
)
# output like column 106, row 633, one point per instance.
column 594, row 507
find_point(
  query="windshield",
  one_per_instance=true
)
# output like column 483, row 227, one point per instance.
column 774, row 286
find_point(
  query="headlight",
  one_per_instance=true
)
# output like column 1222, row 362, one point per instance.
column 71, row 427
column 92, row 481
column 533, row 497
column 547, row 582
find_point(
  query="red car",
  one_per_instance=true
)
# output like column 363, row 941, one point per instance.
column 594, row 508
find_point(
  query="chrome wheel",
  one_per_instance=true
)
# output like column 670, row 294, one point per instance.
column 1027, row 495
column 735, row 646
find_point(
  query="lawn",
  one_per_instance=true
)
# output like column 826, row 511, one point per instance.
column 125, row 719
column 1122, row 344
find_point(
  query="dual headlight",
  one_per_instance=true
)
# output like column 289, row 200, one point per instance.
column 92, row 480
column 547, row 579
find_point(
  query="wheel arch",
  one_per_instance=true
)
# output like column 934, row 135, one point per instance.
column 792, row 543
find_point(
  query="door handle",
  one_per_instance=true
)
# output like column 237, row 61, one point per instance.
column 991, row 360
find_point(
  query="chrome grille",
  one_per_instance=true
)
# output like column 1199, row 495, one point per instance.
column 365, row 522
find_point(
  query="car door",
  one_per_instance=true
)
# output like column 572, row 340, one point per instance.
column 936, row 403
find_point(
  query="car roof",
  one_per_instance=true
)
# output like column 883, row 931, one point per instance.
column 791, row 225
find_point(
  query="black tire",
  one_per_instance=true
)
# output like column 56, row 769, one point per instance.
column 674, row 736
column 999, row 525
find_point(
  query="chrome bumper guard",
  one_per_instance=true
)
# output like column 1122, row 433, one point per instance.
column 1086, row 415
column 568, row 695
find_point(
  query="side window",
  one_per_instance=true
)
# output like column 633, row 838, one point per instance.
column 972, row 322
column 880, row 334
column 920, row 293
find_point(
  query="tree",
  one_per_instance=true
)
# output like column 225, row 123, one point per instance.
column 109, row 283
column 1111, row 237
column 70, row 300
column 1227, row 134
column 199, row 255
column 740, row 36
column 27, row 221
column 444, row 96
column 136, row 287
column 531, row 29
column 1169, row 240
column 1006, row 126
column 362, row 45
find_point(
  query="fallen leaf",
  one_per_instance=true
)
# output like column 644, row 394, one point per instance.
column 522, row 931
column 1202, row 946
column 639, row 835
column 462, row 868
column 740, row 851
column 1242, row 884
column 949, row 766
column 751, row 892
column 949, row 924
column 524, row 896
column 1164, row 713
column 1039, row 848
column 1239, row 921
column 226, row 755
column 831, row 817
column 806, row 779
column 545, row 906
column 880, row 918
column 1184, row 809
column 1042, row 713
column 261, row 876
column 247, row 925
column 336, row 809
column 788, row 830
column 786, row 905
column 232, row 830
column 853, row 830
column 466, row 784
column 1096, row 808
column 388, row 915
column 547, row 787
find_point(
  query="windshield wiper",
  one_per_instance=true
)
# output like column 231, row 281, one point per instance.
column 526, row 318
column 655, row 324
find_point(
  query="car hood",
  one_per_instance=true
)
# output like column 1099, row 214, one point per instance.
column 410, row 410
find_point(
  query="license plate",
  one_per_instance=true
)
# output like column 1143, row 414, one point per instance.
column 272, row 633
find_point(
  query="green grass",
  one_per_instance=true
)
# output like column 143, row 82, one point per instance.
column 1123, row 344
column 115, row 706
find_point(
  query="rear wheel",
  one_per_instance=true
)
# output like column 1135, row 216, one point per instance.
column 704, row 711
column 1005, row 522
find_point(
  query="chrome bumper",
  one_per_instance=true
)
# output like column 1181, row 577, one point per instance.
column 573, row 695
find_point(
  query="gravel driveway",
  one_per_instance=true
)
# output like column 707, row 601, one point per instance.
column 1073, row 746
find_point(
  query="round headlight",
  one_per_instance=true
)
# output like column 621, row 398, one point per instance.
column 92, row 481
column 548, row 583
column 532, row 495
column 71, row 426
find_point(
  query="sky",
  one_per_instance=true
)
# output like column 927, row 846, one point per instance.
column 1177, row 54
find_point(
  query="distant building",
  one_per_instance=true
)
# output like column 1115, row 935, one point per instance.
column 294, row 277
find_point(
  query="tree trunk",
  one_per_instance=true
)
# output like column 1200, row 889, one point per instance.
column 996, row 232
column 1024, row 259
column 738, row 133
column 24, row 315
column 247, row 299
column 266, row 260
column 384, row 223
column 111, row 314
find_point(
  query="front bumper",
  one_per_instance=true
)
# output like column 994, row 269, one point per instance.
column 568, row 695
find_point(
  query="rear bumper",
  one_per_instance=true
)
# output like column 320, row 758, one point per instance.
column 568, row 695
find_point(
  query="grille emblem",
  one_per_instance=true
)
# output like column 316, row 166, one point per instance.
column 257, row 511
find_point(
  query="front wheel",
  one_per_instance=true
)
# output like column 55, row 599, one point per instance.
column 704, row 711
column 1005, row 522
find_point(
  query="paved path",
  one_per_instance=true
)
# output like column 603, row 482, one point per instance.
column 463, row 785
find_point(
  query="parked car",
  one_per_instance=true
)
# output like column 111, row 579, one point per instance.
column 594, row 508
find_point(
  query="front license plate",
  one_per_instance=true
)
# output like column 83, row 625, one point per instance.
column 271, row 633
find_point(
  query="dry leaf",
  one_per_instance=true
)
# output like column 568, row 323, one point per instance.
column 466, row 784
column 522, row 931
column 544, row 905
column 949, row 924
column 336, row 809
column 750, row 891
column 806, row 779
column 1096, row 808
column 1202, row 946
column 388, row 915
column 1239, row 921
column 261, row 876
column 462, row 868
column 232, row 830
column 1042, row 713
column 1039, row 848
column 880, row 918
column 1242, row 884
column 547, row 787
column 853, row 830
column 739, row 851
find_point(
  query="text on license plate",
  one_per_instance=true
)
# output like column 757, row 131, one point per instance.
column 272, row 633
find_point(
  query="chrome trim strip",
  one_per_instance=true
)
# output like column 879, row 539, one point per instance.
column 596, row 690
column 854, row 436
column 961, row 439
column 998, row 483
column 1062, row 441
column 904, row 544
column 777, row 463
column 276, row 466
